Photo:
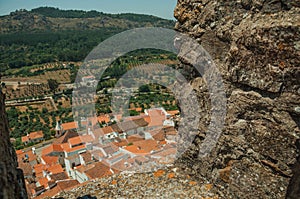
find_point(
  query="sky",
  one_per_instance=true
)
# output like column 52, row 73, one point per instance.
column 160, row 8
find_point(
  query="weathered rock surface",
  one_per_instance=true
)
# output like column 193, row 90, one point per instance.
column 12, row 183
column 255, row 46
column 167, row 183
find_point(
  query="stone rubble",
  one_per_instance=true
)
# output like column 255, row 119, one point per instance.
column 165, row 183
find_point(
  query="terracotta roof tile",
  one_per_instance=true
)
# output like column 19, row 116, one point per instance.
column 121, row 165
column 28, row 154
column 67, row 184
column 98, row 154
column 86, row 138
column 139, row 109
column 26, row 167
column 43, row 182
column 157, row 117
column 50, row 160
column 147, row 145
column 167, row 152
column 65, row 146
column 134, row 138
column 158, row 135
column 98, row 171
column 75, row 148
column 69, row 126
column 173, row 112
column 64, row 139
column 38, row 168
column 60, row 186
column 129, row 125
column 103, row 118
column 122, row 143
column 86, row 156
column 169, row 130
column 59, row 176
column 52, row 148
column 18, row 152
column 75, row 141
column 107, row 130
column 110, row 148
column 25, row 139
column 140, row 159
column 55, row 169
column 136, row 150
column 36, row 135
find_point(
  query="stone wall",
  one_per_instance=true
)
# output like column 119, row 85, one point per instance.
column 256, row 46
column 11, row 178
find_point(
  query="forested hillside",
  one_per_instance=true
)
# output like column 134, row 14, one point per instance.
column 46, row 34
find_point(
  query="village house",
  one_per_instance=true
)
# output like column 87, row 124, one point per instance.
column 156, row 118
column 53, row 153
column 69, row 126
column 33, row 137
column 130, row 127
column 95, row 152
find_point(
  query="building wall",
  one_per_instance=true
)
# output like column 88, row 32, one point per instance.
column 11, row 179
column 81, row 177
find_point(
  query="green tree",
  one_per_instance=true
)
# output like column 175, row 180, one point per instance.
column 144, row 89
column 53, row 84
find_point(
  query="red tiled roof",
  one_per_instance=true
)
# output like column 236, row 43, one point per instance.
column 107, row 130
column 98, row 133
column 140, row 159
column 110, row 148
column 38, row 168
column 122, row 143
column 158, row 135
column 86, row 138
column 75, row 148
column 169, row 130
column 75, row 141
column 26, row 167
column 157, row 117
column 98, row 154
column 69, row 126
column 25, row 139
column 18, row 152
column 55, row 169
column 98, row 171
column 60, row 186
column 139, row 109
column 103, row 118
column 36, row 135
column 134, row 138
column 43, row 182
column 52, row 148
column 59, row 176
column 86, row 156
column 147, row 145
column 163, row 142
column 33, row 136
column 166, row 152
column 122, row 165
column 67, row 184
column 173, row 112
column 50, row 160
column 64, row 139
column 31, row 156
column 136, row 150
column 129, row 125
